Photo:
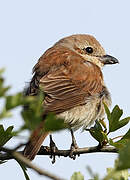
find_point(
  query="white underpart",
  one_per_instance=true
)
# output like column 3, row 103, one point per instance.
column 85, row 115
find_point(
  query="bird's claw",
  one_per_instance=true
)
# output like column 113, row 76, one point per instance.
column 73, row 147
column 53, row 149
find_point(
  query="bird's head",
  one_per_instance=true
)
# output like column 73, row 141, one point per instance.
column 89, row 48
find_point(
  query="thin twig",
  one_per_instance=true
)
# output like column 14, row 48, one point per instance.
column 19, row 146
column 117, row 137
column 34, row 167
column 17, row 155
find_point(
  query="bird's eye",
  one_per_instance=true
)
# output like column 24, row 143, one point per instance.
column 89, row 50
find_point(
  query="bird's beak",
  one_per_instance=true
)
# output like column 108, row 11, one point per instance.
column 107, row 59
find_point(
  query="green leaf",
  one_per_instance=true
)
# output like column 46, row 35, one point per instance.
column 107, row 111
column 5, row 114
column 98, row 133
column 54, row 124
column 16, row 133
column 114, row 174
column 24, row 169
column 5, row 135
column 2, row 70
column 121, row 123
column 114, row 118
column 14, row 101
column 124, row 157
column 3, row 89
column 77, row 176
column 127, row 135
column 33, row 111
column 122, row 142
column 31, row 119
column 119, row 144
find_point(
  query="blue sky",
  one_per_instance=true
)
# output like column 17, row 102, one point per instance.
column 28, row 28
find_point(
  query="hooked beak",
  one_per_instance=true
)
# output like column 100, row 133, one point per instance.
column 107, row 59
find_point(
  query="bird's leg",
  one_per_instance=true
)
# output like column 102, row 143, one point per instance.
column 53, row 149
column 73, row 146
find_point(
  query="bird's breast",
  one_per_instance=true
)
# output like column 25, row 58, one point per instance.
column 85, row 115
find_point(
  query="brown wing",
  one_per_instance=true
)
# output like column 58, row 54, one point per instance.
column 69, row 84
column 67, row 80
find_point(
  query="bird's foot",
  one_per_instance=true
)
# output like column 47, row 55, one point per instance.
column 53, row 149
column 73, row 147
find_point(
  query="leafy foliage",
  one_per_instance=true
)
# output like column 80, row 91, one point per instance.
column 3, row 89
column 32, row 115
column 33, row 112
column 77, row 176
column 114, row 118
column 55, row 125
column 122, row 142
column 114, row 174
column 124, row 157
column 98, row 133
column 5, row 135
column 14, row 101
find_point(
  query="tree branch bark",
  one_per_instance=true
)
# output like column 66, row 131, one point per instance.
column 45, row 150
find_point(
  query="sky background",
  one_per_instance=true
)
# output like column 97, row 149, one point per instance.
column 28, row 28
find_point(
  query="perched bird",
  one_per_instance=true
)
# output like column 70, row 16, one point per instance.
column 70, row 75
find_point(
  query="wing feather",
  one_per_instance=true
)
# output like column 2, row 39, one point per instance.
column 68, row 82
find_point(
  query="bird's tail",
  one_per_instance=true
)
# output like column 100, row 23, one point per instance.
column 35, row 142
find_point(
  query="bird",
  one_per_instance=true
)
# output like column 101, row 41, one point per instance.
column 70, row 75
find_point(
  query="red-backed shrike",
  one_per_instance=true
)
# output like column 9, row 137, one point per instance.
column 70, row 75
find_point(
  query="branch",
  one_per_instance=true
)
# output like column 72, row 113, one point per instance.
column 17, row 155
column 45, row 150
column 34, row 167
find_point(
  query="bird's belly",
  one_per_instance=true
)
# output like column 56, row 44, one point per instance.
column 85, row 115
